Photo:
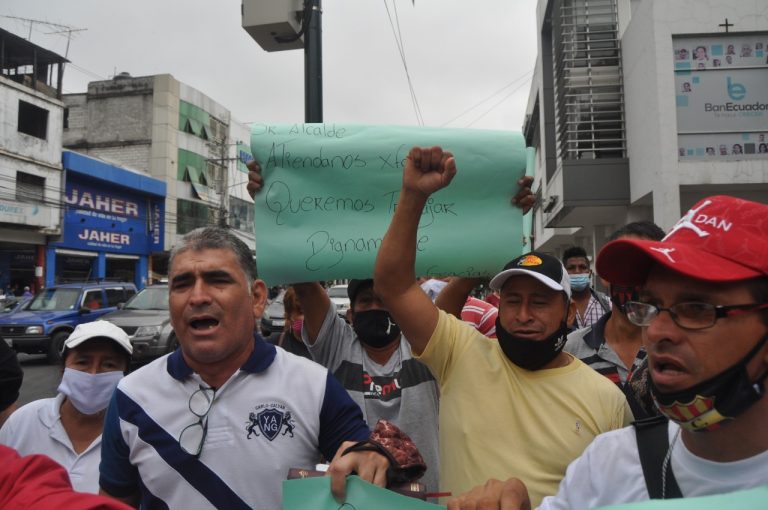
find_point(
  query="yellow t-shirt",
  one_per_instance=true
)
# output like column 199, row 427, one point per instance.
column 498, row 420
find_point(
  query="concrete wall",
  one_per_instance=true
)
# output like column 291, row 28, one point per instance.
column 20, row 152
column 46, row 151
column 164, row 154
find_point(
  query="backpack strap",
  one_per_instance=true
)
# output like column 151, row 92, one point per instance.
column 605, row 301
column 653, row 445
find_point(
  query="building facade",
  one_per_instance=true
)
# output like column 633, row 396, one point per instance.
column 31, row 114
column 113, row 222
column 640, row 108
column 176, row 134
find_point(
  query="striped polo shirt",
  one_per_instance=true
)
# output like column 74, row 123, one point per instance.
column 589, row 345
column 279, row 411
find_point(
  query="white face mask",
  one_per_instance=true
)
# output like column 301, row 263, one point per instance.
column 89, row 393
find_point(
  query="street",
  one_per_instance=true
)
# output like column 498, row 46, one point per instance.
column 40, row 378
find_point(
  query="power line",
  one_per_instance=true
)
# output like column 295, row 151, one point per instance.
column 488, row 98
column 489, row 110
column 401, row 49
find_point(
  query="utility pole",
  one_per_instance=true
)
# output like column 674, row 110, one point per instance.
column 274, row 25
column 313, row 65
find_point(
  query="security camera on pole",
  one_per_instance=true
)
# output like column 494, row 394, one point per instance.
column 279, row 25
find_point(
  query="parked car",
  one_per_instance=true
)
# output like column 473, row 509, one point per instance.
column 13, row 304
column 147, row 321
column 340, row 299
column 54, row 312
column 273, row 318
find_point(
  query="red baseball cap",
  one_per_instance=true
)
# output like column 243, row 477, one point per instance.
column 720, row 239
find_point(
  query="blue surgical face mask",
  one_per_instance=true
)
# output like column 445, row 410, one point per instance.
column 89, row 393
column 579, row 282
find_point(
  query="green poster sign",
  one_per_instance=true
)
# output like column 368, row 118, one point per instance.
column 315, row 493
column 752, row 499
column 330, row 192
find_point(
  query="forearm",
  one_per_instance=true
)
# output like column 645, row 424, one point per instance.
column 314, row 303
column 394, row 272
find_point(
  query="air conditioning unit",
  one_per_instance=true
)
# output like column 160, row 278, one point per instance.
column 269, row 21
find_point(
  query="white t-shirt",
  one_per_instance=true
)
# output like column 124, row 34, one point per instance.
column 36, row 428
column 609, row 472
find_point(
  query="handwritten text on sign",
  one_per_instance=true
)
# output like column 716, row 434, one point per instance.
column 330, row 191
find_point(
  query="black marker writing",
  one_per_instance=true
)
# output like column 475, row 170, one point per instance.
column 328, row 251
column 280, row 200
column 431, row 209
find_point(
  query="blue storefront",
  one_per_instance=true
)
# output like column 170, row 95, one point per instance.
column 113, row 221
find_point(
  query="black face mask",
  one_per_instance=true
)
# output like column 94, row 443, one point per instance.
column 710, row 403
column 620, row 294
column 531, row 354
column 375, row 328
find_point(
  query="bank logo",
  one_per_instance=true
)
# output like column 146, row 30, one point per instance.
column 736, row 91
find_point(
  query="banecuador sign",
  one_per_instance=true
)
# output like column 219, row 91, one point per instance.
column 102, row 220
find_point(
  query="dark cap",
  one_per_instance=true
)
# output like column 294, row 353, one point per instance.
column 545, row 268
column 355, row 286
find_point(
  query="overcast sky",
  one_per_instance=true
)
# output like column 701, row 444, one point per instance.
column 470, row 62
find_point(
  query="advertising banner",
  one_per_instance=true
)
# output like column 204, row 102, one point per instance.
column 99, row 219
column 721, row 94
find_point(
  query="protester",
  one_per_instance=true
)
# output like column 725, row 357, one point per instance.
column 11, row 377
column 68, row 427
column 518, row 404
column 290, row 338
column 222, row 419
column 479, row 314
column 613, row 345
column 590, row 304
column 37, row 482
column 703, row 308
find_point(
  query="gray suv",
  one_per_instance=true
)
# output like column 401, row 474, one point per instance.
column 147, row 321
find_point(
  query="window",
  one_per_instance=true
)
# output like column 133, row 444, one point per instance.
column 93, row 300
column 115, row 296
column 191, row 215
column 218, row 130
column 589, row 98
column 29, row 188
column 241, row 214
column 194, row 120
column 33, row 120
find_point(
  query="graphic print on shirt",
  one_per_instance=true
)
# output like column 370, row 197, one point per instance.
column 355, row 378
column 381, row 387
column 270, row 419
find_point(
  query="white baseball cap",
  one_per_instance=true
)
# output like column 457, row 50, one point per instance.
column 98, row 329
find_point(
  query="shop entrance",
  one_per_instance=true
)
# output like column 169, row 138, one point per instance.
column 121, row 269
column 74, row 268
column 17, row 268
